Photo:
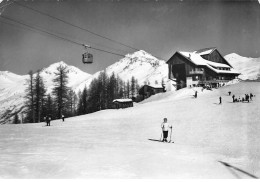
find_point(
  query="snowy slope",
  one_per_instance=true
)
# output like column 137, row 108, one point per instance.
column 142, row 65
column 12, row 87
column 249, row 67
column 115, row 143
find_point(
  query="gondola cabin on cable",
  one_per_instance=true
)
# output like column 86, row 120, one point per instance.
column 87, row 58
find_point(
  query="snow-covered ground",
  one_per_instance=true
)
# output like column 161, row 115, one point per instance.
column 115, row 143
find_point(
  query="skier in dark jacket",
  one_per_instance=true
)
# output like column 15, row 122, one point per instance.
column 196, row 94
column 63, row 117
column 48, row 120
column 220, row 100
column 233, row 97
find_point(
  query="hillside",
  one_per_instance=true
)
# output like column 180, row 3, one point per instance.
column 142, row 65
column 115, row 143
column 248, row 67
column 12, row 87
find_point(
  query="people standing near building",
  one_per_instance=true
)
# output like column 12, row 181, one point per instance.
column 165, row 129
column 233, row 97
column 220, row 100
column 63, row 117
column 251, row 95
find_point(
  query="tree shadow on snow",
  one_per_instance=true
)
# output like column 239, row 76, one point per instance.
column 230, row 167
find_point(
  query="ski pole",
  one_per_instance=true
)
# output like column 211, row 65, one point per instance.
column 171, row 136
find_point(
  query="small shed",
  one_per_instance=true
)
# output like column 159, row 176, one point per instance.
column 148, row 90
column 122, row 103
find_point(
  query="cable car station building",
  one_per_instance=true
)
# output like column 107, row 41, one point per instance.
column 202, row 67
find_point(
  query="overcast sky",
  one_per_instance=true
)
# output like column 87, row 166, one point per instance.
column 159, row 27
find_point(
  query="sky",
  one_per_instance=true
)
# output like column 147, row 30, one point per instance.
column 160, row 27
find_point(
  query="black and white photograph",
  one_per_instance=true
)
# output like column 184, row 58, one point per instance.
column 129, row 89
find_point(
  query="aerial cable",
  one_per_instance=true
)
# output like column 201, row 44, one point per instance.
column 76, row 26
column 57, row 36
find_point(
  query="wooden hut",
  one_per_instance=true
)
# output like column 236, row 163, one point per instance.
column 148, row 90
column 122, row 103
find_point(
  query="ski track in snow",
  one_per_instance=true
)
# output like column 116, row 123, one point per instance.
column 115, row 143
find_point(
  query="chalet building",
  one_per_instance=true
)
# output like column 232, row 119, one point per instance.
column 122, row 103
column 202, row 67
column 148, row 90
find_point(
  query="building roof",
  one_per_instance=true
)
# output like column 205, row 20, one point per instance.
column 155, row 85
column 199, row 61
column 205, row 51
column 122, row 100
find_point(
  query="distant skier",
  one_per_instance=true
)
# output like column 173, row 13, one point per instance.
column 220, row 100
column 165, row 128
column 251, row 95
column 48, row 120
column 229, row 93
column 63, row 118
column 233, row 97
column 196, row 94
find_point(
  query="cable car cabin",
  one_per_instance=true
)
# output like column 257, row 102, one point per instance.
column 87, row 58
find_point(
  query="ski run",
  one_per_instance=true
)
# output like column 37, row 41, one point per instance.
column 210, row 140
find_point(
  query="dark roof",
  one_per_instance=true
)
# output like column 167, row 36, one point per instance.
column 205, row 49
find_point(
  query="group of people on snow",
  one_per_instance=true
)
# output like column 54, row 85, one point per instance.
column 247, row 98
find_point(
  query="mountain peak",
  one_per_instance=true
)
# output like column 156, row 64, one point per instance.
column 141, row 54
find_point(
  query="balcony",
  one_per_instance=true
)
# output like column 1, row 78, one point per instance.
column 196, row 72
column 213, row 81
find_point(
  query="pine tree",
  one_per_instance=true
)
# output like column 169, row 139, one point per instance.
column 84, row 101
column 16, row 119
column 128, row 89
column 39, row 92
column 71, row 102
column 29, row 97
column 60, row 90
column 133, row 87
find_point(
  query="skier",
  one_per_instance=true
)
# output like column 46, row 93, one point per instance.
column 49, row 121
column 196, row 94
column 233, row 97
column 220, row 100
column 229, row 93
column 251, row 95
column 63, row 118
column 165, row 128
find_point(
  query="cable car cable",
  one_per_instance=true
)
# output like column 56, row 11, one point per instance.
column 57, row 36
column 76, row 26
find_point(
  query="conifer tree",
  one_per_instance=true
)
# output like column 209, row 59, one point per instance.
column 16, row 119
column 60, row 90
column 40, row 93
column 29, row 97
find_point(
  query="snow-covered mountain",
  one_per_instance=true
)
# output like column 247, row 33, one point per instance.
column 248, row 67
column 142, row 65
column 12, row 87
